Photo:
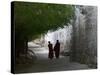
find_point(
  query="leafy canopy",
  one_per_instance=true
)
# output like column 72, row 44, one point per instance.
column 32, row 19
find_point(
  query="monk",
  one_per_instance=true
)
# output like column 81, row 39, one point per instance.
column 57, row 49
column 50, row 54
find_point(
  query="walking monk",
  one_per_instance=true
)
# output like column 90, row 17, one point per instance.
column 57, row 49
column 50, row 54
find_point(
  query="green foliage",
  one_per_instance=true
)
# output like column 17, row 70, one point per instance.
column 33, row 19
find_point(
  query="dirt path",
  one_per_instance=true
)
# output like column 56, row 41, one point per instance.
column 43, row 64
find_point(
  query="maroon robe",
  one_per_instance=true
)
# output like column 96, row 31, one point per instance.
column 57, row 49
column 50, row 55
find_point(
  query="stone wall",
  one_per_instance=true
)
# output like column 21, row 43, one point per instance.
column 84, row 49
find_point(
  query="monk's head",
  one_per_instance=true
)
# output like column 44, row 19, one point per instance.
column 57, row 40
column 49, row 42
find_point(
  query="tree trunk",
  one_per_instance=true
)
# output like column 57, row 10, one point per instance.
column 26, row 46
